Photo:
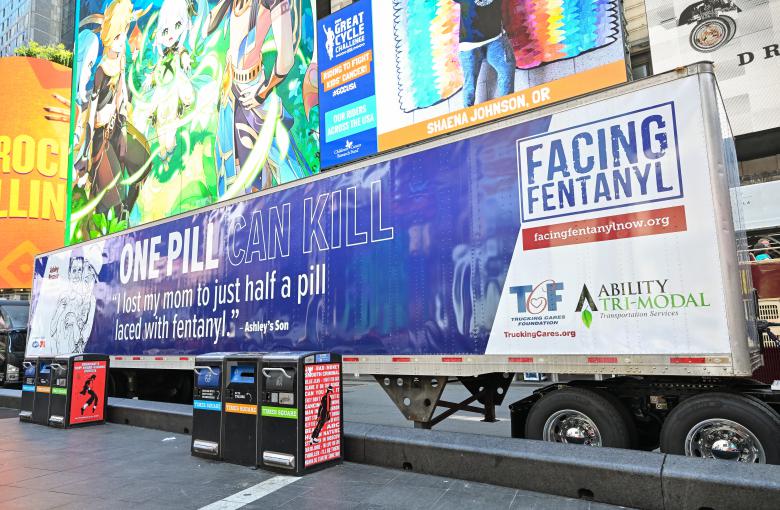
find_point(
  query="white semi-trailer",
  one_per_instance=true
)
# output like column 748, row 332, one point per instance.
column 594, row 236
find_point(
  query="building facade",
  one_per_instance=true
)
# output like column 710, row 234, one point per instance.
column 67, row 22
column 42, row 21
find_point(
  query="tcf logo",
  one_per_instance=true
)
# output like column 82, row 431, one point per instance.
column 40, row 344
column 538, row 298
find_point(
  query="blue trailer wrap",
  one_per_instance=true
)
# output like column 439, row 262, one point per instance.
column 377, row 261
column 568, row 232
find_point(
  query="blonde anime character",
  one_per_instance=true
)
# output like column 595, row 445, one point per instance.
column 117, row 147
column 173, row 91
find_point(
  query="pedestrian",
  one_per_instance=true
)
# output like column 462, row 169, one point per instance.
column 761, row 249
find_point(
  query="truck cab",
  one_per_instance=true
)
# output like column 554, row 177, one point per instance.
column 13, row 338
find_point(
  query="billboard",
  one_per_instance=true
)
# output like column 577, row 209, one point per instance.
column 571, row 233
column 183, row 103
column 33, row 163
column 398, row 72
column 742, row 37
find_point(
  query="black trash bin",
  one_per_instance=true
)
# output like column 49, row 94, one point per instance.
column 40, row 413
column 79, row 386
column 301, row 426
column 207, row 408
column 29, row 370
column 239, row 420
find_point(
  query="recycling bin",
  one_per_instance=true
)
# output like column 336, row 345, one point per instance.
column 239, row 419
column 40, row 413
column 207, row 409
column 301, row 425
column 29, row 369
column 79, row 386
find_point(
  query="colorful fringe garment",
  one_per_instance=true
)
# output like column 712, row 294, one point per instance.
column 541, row 31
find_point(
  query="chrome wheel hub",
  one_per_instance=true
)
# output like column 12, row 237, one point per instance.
column 570, row 426
column 723, row 439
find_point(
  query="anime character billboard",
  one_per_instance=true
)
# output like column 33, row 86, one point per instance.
column 183, row 103
column 438, row 66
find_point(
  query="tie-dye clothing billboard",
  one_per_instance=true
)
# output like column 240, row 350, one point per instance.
column 443, row 65
column 182, row 103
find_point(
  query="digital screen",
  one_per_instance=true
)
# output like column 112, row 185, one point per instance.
column 208, row 378
column 216, row 101
column 394, row 71
column 242, row 374
column 33, row 166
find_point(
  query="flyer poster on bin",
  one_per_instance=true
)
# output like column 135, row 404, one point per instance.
column 322, row 410
column 88, row 392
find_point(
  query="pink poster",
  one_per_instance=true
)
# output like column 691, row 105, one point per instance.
column 322, row 408
column 88, row 394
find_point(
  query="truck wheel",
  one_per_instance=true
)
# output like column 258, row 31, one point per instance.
column 581, row 416
column 723, row 426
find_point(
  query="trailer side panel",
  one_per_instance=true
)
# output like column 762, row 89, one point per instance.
column 578, row 239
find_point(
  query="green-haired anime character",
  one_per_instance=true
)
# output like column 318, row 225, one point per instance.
column 172, row 90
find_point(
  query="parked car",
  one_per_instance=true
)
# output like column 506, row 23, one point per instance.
column 13, row 338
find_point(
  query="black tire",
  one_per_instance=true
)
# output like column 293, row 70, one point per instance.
column 751, row 413
column 610, row 416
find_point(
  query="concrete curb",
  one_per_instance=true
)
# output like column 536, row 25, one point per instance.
column 138, row 413
column 695, row 484
column 10, row 398
column 607, row 475
column 619, row 477
column 151, row 415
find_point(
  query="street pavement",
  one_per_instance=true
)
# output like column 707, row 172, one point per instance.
column 118, row 466
column 366, row 402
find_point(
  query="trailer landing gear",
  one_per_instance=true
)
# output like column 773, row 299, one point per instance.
column 417, row 397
